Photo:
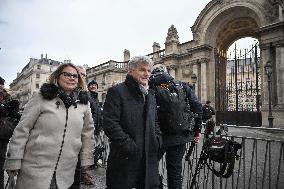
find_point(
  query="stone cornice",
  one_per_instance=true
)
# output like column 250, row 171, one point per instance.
column 200, row 48
column 270, row 28
column 200, row 61
column 264, row 46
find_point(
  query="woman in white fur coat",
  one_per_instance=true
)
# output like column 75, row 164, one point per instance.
column 55, row 127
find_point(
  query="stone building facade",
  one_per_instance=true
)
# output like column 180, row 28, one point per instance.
column 31, row 78
column 218, row 25
column 107, row 75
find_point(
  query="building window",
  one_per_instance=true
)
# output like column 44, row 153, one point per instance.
column 37, row 86
column 38, row 67
column 37, row 76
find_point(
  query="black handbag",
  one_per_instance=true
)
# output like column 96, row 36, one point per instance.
column 7, row 126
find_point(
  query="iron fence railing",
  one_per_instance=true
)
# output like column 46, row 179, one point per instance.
column 261, row 163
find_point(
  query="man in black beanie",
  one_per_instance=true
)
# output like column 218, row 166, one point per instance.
column 95, row 105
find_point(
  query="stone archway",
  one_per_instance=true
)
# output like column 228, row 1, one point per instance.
column 222, row 22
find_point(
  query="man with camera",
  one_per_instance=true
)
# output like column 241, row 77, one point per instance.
column 179, row 114
column 9, row 117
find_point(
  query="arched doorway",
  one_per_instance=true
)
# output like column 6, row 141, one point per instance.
column 219, row 25
column 238, row 95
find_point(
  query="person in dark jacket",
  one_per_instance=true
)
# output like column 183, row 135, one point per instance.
column 96, row 109
column 174, row 144
column 129, row 120
column 95, row 105
column 208, row 111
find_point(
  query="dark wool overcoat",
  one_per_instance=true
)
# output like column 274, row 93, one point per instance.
column 130, row 123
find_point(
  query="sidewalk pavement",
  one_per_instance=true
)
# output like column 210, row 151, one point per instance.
column 99, row 178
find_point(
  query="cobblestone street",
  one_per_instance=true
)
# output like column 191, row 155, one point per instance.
column 98, row 178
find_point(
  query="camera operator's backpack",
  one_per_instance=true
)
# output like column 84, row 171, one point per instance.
column 173, row 108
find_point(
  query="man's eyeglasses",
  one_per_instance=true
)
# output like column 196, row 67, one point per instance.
column 70, row 75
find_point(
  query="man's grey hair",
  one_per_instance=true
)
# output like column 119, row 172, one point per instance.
column 134, row 61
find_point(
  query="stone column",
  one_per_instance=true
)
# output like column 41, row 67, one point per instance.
column 195, row 71
column 278, row 109
column 280, row 73
column 203, row 81
column 265, row 56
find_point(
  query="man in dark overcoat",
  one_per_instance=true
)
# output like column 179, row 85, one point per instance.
column 130, row 122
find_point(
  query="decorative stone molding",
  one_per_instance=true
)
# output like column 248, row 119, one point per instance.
column 204, row 60
column 186, row 70
column 204, row 47
column 195, row 62
column 171, row 67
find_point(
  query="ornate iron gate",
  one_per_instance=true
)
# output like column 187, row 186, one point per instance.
column 238, row 88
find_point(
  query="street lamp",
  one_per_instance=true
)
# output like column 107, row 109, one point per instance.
column 268, row 72
column 193, row 80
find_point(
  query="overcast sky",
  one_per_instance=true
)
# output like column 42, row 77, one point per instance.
column 88, row 31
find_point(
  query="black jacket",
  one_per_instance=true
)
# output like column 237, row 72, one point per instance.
column 170, row 139
column 208, row 111
column 130, row 123
column 96, row 111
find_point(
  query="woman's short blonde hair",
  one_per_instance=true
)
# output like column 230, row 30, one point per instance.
column 53, row 78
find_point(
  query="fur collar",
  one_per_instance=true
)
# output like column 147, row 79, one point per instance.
column 50, row 91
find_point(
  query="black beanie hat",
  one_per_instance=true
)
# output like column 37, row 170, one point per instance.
column 93, row 82
column 2, row 81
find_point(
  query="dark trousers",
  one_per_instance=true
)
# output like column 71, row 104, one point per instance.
column 174, row 155
column 77, row 176
column 3, row 148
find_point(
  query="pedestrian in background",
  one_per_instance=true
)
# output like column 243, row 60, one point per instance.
column 207, row 118
column 96, row 109
column 95, row 105
column 129, row 120
column 55, row 126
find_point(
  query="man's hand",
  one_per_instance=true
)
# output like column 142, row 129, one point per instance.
column 12, row 173
column 197, row 137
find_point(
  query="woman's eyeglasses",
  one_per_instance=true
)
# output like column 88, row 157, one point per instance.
column 70, row 75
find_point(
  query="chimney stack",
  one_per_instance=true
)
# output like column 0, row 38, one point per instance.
column 126, row 54
column 156, row 47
